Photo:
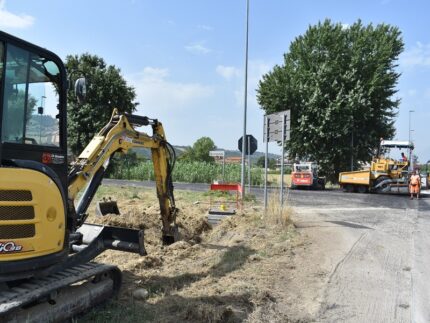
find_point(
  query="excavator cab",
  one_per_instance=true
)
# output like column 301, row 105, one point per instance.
column 33, row 156
column 33, row 105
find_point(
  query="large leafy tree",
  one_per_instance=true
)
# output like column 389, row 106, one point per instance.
column 200, row 150
column 339, row 84
column 106, row 90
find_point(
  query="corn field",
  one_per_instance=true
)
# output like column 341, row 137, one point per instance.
column 187, row 172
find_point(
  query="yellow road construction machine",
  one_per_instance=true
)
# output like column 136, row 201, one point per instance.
column 46, row 246
column 386, row 173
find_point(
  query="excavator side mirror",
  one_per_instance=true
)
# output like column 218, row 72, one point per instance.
column 81, row 89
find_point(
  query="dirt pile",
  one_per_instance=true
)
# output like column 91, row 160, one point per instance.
column 220, row 274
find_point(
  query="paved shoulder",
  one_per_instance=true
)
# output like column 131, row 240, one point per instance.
column 377, row 270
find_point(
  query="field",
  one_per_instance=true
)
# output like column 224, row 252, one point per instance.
column 229, row 273
column 191, row 172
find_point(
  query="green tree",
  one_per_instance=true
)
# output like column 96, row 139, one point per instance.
column 339, row 84
column 261, row 161
column 200, row 151
column 106, row 90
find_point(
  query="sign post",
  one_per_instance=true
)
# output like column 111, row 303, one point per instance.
column 219, row 153
column 266, row 161
column 249, row 164
column 276, row 128
column 250, row 145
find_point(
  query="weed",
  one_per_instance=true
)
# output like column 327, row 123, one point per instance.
column 277, row 214
column 135, row 194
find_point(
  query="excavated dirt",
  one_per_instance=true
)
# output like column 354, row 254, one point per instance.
column 240, row 270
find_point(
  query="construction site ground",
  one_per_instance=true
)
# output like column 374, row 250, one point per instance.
column 338, row 258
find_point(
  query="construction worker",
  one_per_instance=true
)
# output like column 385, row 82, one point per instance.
column 415, row 184
column 404, row 158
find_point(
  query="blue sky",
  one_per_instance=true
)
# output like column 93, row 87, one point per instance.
column 186, row 58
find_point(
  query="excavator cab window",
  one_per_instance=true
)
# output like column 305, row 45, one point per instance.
column 33, row 94
column 30, row 99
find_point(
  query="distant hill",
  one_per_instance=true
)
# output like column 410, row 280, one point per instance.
column 146, row 153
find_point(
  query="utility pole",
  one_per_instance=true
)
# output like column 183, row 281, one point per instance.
column 410, row 111
column 249, row 164
column 242, row 177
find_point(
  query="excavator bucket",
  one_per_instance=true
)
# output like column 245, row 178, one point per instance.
column 105, row 207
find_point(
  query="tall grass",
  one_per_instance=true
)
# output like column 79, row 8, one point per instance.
column 188, row 172
column 275, row 213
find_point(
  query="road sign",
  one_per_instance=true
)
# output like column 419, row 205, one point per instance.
column 276, row 128
column 252, row 144
column 217, row 153
column 273, row 125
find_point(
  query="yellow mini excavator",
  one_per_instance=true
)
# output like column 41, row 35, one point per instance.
column 46, row 246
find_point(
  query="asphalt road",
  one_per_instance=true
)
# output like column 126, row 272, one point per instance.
column 377, row 270
column 371, row 251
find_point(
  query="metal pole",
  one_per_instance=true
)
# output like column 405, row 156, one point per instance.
column 249, row 164
column 223, row 168
column 266, row 162
column 282, row 163
column 40, row 129
column 409, row 129
column 242, row 177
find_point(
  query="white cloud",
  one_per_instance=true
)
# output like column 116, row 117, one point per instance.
column 154, row 73
column 155, row 91
column 227, row 72
column 205, row 27
column 10, row 20
column 198, row 48
column 418, row 56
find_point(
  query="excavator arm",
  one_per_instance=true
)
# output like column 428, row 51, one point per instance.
column 120, row 135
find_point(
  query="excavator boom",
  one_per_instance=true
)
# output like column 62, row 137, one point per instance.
column 118, row 136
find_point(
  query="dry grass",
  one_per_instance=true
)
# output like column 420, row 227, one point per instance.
column 220, row 274
column 276, row 214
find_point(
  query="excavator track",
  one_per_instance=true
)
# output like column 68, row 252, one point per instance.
column 59, row 296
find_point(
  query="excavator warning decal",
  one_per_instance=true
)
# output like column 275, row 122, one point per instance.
column 10, row 246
